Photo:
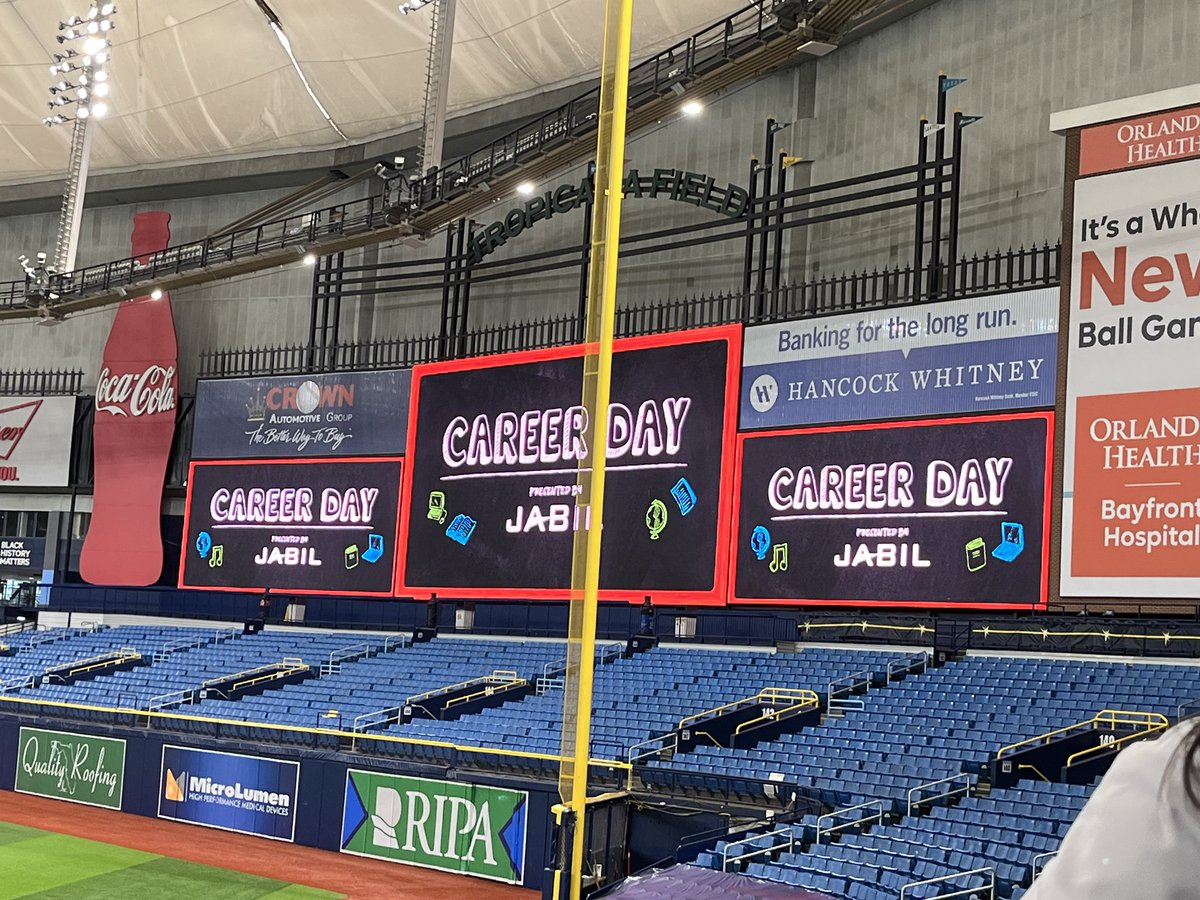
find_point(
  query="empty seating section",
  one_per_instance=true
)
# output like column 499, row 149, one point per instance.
column 645, row 696
column 187, row 669
column 1005, row 832
column 384, row 681
column 948, row 721
column 35, row 651
column 945, row 722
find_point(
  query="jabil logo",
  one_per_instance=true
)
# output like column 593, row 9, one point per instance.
column 136, row 393
column 172, row 789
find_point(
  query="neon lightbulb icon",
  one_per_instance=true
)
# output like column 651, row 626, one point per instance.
column 760, row 541
column 656, row 518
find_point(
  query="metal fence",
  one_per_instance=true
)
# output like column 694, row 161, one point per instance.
column 41, row 382
column 1007, row 270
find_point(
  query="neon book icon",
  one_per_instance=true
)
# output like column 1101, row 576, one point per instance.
column 461, row 528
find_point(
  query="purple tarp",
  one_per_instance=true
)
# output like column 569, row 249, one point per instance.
column 706, row 884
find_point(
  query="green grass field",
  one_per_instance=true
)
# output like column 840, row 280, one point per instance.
column 41, row 864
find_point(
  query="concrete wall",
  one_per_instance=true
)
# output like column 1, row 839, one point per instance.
column 854, row 112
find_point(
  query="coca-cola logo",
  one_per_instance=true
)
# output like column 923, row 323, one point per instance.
column 136, row 393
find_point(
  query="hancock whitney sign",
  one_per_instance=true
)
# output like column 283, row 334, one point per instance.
column 967, row 356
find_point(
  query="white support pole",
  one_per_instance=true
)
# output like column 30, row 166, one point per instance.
column 71, row 215
column 437, row 82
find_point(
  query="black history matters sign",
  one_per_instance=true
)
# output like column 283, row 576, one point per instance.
column 932, row 513
column 302, row 416
column 492, row 504
column 300, row 526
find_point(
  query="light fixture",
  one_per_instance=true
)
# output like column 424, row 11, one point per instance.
column 108, row 9
column 525, row 188
column 413, row 5
column 101, row 75
column 94, row 45
column 310, row 259
column 99, row 110
column 84, row 112
column 156, row 294
column 106, row 25
column 692, row 108
column 101, row 90
column 93, row 27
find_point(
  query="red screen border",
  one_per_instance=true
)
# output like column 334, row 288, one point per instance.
column 329, row 460
column 731, row 334
column 1048, row 488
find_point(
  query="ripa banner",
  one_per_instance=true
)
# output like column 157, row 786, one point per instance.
column 950, row 512
column 35, row 441
column 1131, row 479
column 339, row 414
column 983, row 354
column 80, row 768
column 230, row 791
column 457, row 827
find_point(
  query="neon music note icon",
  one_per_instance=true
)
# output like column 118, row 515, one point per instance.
column 779, row 558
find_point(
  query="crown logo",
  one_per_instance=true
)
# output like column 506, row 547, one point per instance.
column 256, row 406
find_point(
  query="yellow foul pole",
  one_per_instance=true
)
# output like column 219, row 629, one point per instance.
column 597, row 371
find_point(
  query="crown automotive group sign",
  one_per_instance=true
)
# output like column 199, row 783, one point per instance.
column 67, row 766
column 340, row 414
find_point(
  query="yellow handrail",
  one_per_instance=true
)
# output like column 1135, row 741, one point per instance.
column 1110, row 717
column 488, row 690
column 352, row 735
column 269, row 667
column 1150, row 729
column 766, row 695
column 813, row 703
column 481, row 679
column 270, row 676
column 1045, row 634
column 96, row 662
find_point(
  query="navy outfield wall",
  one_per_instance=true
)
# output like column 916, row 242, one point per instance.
column 320, row 793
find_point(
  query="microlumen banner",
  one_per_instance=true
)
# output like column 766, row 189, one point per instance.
column 66, row 766
column 1131, row 481
column 465, row 828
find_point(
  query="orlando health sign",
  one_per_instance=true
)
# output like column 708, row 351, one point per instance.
column 1131, row 484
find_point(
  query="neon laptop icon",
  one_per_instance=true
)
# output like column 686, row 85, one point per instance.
column 1012, row 541
column 374, row 548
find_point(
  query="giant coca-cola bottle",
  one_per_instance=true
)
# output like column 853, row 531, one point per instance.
column 135, row 423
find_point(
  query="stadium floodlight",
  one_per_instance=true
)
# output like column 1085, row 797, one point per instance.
column 413, row 5
column 84, row 87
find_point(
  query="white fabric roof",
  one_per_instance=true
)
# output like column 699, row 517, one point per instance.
column 204, row 79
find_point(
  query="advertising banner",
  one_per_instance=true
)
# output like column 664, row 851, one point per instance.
column 291, row 416
column 35, row 441
column 492, row 506
column 1131, row 481
column 66, row 766
column 229, row 791
column 22, row 553
column 137, row 395
column 1148, row 140
column 937, row 513
column 983, row 354
column 301, row 526
column 465, row 828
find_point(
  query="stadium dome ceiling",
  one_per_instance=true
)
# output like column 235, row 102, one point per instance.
column 207, row 79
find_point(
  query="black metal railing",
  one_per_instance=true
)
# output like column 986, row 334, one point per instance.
column 41, row 382
column 1014, row 269
column 733, row 37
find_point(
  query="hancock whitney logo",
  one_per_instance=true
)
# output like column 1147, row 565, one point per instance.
column 763, row 393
